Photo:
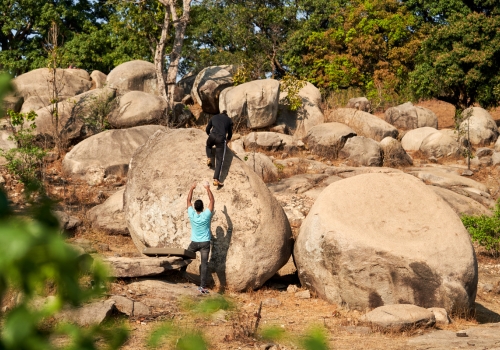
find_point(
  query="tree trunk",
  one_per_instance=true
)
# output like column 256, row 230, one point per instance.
column 180, row 25
column 160, row 54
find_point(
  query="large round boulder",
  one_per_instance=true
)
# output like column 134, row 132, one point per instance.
column 440, row 145
column 108, row 217
column 255, row 101
column 35, row 86
column 479, row 126
column 133, row 76
column 408, row 117
column 328, row 139
column 77, row 116
column 98, row 79
column 363, row 123
column 307, row 116
column 271, row 141
column 251, row 235
column 261, row 164
column 360, row 103
column 379, row 239
column 394, row 154
column 361, row 151
column 107, row 153
column 412, row 140
column 138, row 108
column 209, row 84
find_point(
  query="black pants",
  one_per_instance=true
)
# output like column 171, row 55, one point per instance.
column 204, row 249
column 220, row 151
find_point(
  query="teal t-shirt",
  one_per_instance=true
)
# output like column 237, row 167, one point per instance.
column 200, row 225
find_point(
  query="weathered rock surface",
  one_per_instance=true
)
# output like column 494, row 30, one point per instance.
column 497, row 145
column 445, row 178
column 307, row 116
column 144, row 266
column 209, row 84
column 261, row 164
column 360, row 103
column 109, row 216
column 439, row 145
column 413, row 139
column 5, row 143
column 66, row 221
column 255, row 101
column 161, row 290
column 400, row 316
column 93, row 313
column 479, row 125
column 98, row 79
column 462, row 205
column 34, row 86
column 72, row 113
column 138, row 108
column 408, row 117
column 328, row 138
column 133, row 76
column 237, row 146
column 441, row 315
column 271, row 141
column 12, row 102
column 106, row 153
column 364, row 244
column 363, row 124
column 361, row 151
column 495, row 158
column 394, row 153
column 249, row 226
column 480, row 337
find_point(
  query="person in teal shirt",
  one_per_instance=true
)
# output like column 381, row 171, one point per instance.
column 200, row 231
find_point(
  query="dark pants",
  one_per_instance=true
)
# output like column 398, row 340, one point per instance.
column 220, row 151
column 204, row 249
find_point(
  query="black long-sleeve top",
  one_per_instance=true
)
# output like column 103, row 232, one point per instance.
column 220, row 125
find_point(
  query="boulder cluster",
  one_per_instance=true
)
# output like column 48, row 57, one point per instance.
column 373, row 231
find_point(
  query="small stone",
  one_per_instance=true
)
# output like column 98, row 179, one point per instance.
column 141, row 309
column 488, row 288
column 271, row 302
column 2, row 180
column 310, row 157
column 284, row 155
column 467, row 173
column 462, row 334
column 103, row 247
column 433, row 159
column 292, row 288
column 305, row 294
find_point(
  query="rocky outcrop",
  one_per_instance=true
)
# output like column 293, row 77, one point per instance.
column 360, row 103
column 364, row 124
column 271, row 141
column 255, row 101
column 108, row 217
column 408, row 117
column 35, row 86
column 309, row 114
column 479, row 126
column 209, row 84
column 328, row 139
column 249, row 227
column 138, row 108
column 399, row 316
column 107, row 153
column 261, row 164
column 361, row 151
column 439, row 145
column 144, row 266
column 365, row 244
column 462, row 205
column 133, row 76
column 394, row 154
column 98, row 79
column 413, row 139
column 73, row 114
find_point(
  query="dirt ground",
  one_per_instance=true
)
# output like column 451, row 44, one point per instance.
column 286, row 311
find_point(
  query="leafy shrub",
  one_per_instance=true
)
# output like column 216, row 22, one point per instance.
column 25, row 161
column 485, row 230
column 291, row 85
column 94, row 112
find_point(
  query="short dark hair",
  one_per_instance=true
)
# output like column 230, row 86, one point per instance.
column 198, row 205
column 224, row 112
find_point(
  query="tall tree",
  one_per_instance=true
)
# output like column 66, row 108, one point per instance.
column 24, row 25
column 460, row 60
column 356, row 43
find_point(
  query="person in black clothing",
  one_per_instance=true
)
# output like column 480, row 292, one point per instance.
column 218, row 127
